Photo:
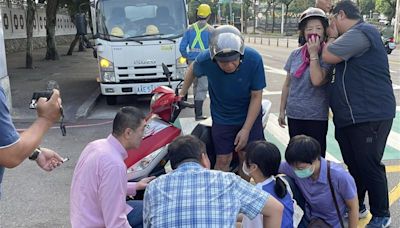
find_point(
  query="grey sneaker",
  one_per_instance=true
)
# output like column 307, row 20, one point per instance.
column 379, row 222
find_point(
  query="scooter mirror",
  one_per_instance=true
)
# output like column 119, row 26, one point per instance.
column 167, row 73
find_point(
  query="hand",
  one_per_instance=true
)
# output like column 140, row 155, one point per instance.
column 48, row 159
column 332, row 30
column 282, row 120
column 50, row 110
column 313, row 46
column 241, row 139
column 142, row 184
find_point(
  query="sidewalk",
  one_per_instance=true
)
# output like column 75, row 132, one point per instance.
column 76, row 76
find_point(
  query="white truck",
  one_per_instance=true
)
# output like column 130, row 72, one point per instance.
column 133, row 39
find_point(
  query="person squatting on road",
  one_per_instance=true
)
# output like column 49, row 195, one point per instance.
column 99, row 183
column 192, row 195
column 197, row 37
column 310, row 172
column 304, row 98
column 363, row 104
column 236, row 79
column 262, row 160
column 15, row 148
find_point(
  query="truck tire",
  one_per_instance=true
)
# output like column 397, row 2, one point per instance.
column 111, row 100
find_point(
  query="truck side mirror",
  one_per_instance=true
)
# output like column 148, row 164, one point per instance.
column 81, row 24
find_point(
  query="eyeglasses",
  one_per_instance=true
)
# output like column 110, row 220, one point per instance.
column 333, row 16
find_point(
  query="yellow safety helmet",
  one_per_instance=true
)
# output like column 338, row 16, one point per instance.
column 151, row 30
column 117, row 31
column 203, row 11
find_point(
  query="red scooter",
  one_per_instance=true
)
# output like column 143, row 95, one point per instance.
column 151, row 157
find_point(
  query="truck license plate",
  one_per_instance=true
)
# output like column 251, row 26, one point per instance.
column 144, row 89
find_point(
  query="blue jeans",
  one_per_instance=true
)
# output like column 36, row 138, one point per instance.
column 135, row 216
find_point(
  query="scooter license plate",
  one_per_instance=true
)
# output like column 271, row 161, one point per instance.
column 392, row 45
column 144, row 89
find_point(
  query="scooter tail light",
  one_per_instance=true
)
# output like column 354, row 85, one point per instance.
column 145, row 162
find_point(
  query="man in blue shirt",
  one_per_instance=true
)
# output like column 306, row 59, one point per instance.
column 194, row 196
column 236, row 79
column 196, row 37
column 15, row 148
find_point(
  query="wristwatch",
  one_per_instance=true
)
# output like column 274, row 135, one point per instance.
column 35, row 154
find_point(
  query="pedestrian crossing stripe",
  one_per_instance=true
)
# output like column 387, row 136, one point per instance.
column 280, row 137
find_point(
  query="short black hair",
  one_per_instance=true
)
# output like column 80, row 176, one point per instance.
column 302, row 149
column 127, row 117
column 268, row 159
column 349, row 8
column 185, row 148
column 265, row 155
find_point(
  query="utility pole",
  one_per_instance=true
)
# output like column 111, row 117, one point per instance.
column 283, row 18
column 397, row 21
column 241, row 16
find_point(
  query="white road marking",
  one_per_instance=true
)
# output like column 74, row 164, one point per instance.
column 282, row 135
column 274, row 70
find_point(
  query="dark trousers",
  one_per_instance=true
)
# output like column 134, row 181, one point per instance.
column 313, row 128
column 362, row 146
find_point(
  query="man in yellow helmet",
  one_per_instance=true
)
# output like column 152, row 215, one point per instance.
column 196, row 38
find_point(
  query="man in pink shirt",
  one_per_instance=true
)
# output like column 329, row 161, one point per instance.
column 99, row 184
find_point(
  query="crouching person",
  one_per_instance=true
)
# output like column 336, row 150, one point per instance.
column 192, row 195
column 311, row 173
column 99, row 184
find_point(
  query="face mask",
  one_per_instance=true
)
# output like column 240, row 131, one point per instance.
column 304, row 173
column 245, row 169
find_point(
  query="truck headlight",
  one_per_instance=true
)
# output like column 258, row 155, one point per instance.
column 108, row 76
column 106, row 65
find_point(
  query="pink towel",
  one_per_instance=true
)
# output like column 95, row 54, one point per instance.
column 305, row 56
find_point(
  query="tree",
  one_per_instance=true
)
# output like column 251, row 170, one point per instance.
column 366, row 6
column 51, row 19
column 30, row 15
column 287, row 4
column 387, row 7
column 299, row 6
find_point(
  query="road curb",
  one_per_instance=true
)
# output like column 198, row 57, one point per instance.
column 87, row 106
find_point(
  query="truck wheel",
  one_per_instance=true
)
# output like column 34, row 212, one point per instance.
column 111, row 100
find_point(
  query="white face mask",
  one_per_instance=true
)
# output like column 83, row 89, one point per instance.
column 245, row 169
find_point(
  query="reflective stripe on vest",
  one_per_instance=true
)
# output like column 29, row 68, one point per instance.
column 198, row 37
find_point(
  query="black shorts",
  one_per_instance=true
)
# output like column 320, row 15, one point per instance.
column 224, row 136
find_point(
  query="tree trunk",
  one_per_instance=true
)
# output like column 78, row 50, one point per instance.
column 30, row 15
column 273, row 18
column 51, row 13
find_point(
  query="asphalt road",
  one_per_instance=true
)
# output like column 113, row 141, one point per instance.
column 34, row 198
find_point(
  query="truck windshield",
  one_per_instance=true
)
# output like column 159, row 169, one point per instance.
column 144, row 19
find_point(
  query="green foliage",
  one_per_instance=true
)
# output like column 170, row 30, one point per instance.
column 194, row 4
column 387, row 7
column 298, row 6
column 366, row 6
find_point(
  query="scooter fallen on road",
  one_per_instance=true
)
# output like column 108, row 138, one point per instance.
column 151, row 157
